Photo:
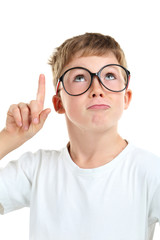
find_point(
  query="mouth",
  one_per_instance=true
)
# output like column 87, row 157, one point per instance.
column 99, row 107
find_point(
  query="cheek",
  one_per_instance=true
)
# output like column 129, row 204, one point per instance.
column 70, row 106
column 73, row 105
column 119, row 105
column 72, row 110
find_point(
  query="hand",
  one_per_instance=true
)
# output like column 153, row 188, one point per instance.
column 25, row 120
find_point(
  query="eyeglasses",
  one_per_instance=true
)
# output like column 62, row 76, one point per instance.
column 78, row 80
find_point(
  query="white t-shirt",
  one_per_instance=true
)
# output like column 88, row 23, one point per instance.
column 117, row 201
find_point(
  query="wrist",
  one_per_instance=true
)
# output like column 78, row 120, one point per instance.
column 7, row 143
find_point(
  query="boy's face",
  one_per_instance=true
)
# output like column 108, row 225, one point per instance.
column 98, row 109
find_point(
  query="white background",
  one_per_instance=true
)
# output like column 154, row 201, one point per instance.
column 29, row 32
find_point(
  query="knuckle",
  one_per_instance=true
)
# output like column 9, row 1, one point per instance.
column 13, row 111
column 33, row 102
column 21, row 104
column 34, row 107
column 25, row 109
column 14, row 108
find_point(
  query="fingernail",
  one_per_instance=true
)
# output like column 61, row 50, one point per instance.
column 35, row 120
column 20, row 124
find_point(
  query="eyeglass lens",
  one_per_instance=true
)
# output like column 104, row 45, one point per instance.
column 76, row 81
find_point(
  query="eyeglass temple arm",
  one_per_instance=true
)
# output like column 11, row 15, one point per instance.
column 129, row 77
column 57, row 87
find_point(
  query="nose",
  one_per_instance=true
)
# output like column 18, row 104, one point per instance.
column 96, row 88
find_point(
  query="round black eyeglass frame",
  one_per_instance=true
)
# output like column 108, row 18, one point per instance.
column 92, row 75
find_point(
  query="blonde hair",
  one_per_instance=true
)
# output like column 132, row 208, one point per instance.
column 87, row 44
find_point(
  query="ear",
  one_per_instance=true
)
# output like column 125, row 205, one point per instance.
column 57, row 103
column 127, row 98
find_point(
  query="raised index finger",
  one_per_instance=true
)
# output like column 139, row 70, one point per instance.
column 41, row 89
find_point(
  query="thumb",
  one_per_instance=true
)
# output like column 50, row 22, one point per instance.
column 43, row 116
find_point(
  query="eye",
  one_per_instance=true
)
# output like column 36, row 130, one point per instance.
column 110, row 76
column 79, row 78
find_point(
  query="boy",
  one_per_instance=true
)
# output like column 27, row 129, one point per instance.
column 99, row 186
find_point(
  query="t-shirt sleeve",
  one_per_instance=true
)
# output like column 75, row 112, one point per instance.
column 154, row 213
column 16, row 184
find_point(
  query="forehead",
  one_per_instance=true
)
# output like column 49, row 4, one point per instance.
column 92, row 63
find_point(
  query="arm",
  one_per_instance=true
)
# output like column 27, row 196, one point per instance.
column 23, row 121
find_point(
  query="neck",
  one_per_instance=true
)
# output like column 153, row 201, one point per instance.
column 90, row 149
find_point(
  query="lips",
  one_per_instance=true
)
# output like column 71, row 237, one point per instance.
column 99, row 106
